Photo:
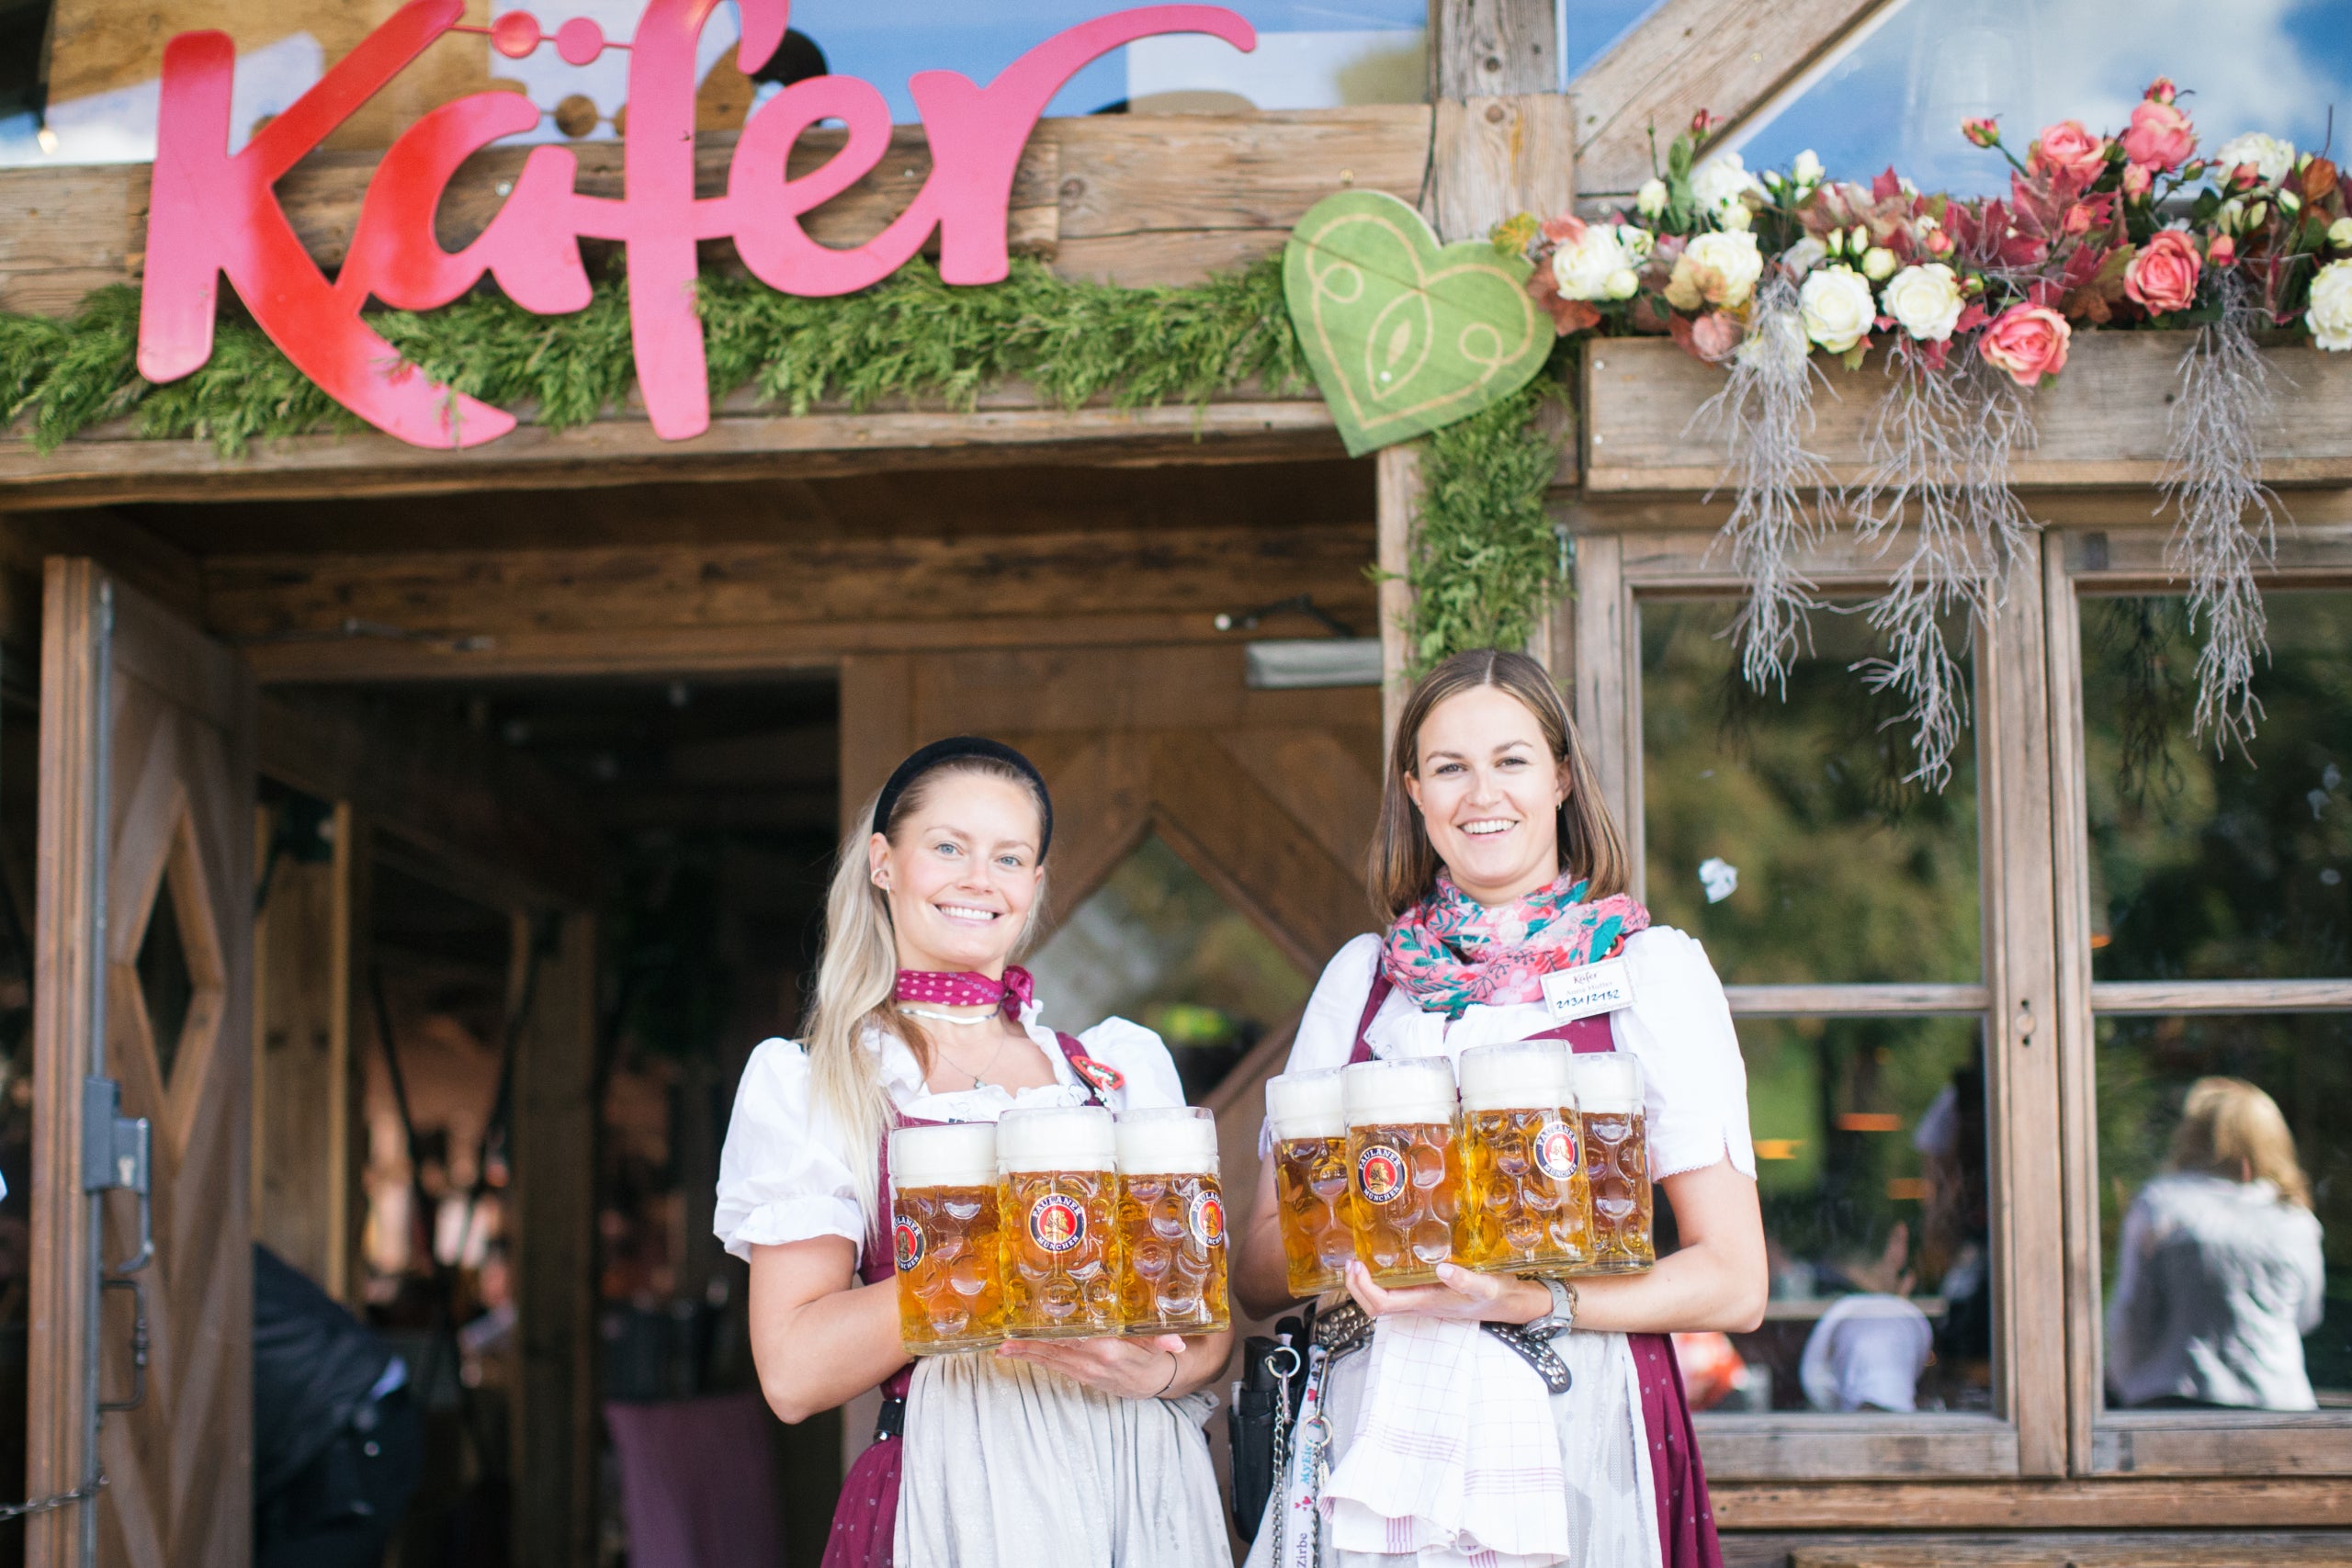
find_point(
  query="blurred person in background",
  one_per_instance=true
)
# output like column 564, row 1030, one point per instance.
column 2219, row 1275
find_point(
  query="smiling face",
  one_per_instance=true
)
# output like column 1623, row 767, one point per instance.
column 961, row 872
column 1490, row 794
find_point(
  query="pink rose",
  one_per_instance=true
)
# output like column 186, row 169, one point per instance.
column 2028, row 341
column 2222, row 252
column 2161, row 90
column 2136, row 179
column 2160, row 136
column 2067, row 148
column 1983, row 132
column 2163, row 276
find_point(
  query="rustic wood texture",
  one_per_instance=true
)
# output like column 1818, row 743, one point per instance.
column 2102, row 423
column 1607, row 706
column 1497, row 157
column 2221, row 996
column 2222, row 1443
column 2252, row 1502
column 1398, row 514
column 69, row 230
column 1829, row 1448
column 1854, row 1001
column 489, row 823
column 2132, row 1550
column 1489, row 48
column 554, row 1227
column 178, row 719
column 1726, row 56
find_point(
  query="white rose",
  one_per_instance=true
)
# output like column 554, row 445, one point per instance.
column 2330, row 314
column 1807, row 169
column 1623, row 283
column 2339, row 233
column 1734, row 258
column 2273, row 160
column 1650, row 200
column 1925, row 301
column 1838, row 309
column 1735, row 216
column 1582, row 268
column 1878, row 263
column 1804, row 255
column 1720, row 182
column 1638, row 242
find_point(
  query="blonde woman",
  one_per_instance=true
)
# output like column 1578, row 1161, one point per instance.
column 1076, row 1454
column 1497, row 863
column 2218, row 1274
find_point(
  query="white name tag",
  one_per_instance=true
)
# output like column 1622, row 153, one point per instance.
column 1597, row 987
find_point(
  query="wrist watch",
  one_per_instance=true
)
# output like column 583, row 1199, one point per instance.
column 1563, row 1315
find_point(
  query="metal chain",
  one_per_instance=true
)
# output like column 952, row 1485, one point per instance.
column 82, row 1494
column 1281, row 1440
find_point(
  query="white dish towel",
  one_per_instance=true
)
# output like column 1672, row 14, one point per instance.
column 1455, row 1458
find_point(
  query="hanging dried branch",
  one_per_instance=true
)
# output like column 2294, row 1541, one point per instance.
column 1938, row 447
column 1764, row 413
column 2228, row 526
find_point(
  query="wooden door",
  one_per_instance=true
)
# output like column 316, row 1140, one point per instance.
column 146, row 866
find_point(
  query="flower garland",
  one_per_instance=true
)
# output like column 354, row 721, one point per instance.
column 1975, row 302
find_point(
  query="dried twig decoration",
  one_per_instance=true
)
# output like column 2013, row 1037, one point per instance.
column 2228, row 524
column 1938, row 447
column 1765, row 413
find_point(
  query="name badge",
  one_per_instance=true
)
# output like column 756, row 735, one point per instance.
column 1597, row 987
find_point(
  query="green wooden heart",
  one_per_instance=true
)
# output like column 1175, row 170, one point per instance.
column 1406, row 335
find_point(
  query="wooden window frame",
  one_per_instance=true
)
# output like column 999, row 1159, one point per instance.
column 2026, row 1434
column 2106, row 561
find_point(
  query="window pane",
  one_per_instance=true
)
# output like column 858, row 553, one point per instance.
column 1871, row 1162
column 1843, row 872
column 1898, row 98
column 1594, row 28
column 2225, row 1210
column 2211, row 865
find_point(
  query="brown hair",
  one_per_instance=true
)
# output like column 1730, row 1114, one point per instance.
column 2230, row 1128
column 1404, row 865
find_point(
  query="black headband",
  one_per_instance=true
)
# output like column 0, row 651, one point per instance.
column 956, row 748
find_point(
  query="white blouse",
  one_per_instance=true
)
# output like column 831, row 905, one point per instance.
column 784, row 1174
column 1678, row 1026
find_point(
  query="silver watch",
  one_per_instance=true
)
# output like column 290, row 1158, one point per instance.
column 1563, row 1315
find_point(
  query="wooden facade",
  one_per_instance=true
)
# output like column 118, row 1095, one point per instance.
column 1053, row 576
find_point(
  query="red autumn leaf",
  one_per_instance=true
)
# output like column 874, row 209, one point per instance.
column 2319, row 178
column 1886, row 184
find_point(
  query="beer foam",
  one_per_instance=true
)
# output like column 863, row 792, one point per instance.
column 962, row 1154
column 1394, row 1093
column 1607, row 1083
column 1171, row 1142
column 1306, row 1105
column 1522, row 1074
column 1062, row 1137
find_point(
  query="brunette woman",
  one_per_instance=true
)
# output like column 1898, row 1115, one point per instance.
column 1079, row 1453
column 1497, row 863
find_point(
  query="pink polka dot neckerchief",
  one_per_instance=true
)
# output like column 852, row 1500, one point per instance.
column 966, row 989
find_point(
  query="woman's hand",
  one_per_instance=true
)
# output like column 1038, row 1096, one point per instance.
column 1460, row 1293
column 1130, row 1369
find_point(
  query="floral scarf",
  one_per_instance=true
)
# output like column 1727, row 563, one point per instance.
column 1449, row 953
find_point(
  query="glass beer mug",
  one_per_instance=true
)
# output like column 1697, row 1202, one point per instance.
column 1527, row 1205
column 1056, row 1185
column 1171, row 1223
column 943, row 1230
column 1405, row 1167
column 1310, row 1126
column 1608, row 1087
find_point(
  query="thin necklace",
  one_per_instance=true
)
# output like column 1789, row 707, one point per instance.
column 985, row 1066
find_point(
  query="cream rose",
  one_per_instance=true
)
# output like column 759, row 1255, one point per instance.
column 1650, row 200
column 1837, row 306
column 1582, row 266
column 1807, row 169
column 1925, row 301
column 1736, row 262
column 2273, row 160
column 2330, row 313
column 1719, row 183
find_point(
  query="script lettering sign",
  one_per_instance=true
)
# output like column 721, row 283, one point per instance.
column 212, row 213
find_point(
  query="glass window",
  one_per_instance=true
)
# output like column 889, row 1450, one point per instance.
column 1781, row 832
column 2225, row 1210
column 1594, row 27
column 2208, row 864
column 1157, row 944
column 1898, row 96
column 1871, row 1163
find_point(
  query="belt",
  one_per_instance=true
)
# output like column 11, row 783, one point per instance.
column 892, row 1422
column 1347, row 1327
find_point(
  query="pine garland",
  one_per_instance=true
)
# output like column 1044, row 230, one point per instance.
column 1486, row 559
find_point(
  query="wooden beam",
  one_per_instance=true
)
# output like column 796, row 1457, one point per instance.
column 130, row 553
column 1728, row 57
column 1491, row 48
column 1399, row 514
column 2122, row 1549
column 2250, row 1502
column 484, row 820
column 554, row 1227
column 1496, row 157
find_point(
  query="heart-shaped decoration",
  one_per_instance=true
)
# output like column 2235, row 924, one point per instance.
column 1404, row 334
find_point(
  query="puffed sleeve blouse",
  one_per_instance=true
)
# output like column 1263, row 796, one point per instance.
column 1678, row 1026
column 784, row 1174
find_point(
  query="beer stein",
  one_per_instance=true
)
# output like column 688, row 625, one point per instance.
column 1608, row 1087
column 1527, row 1205
column 1170, row 1224
column 1056, row 1185
column 1310, row 1126
column 1405, row 1167
column 943, row 1230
